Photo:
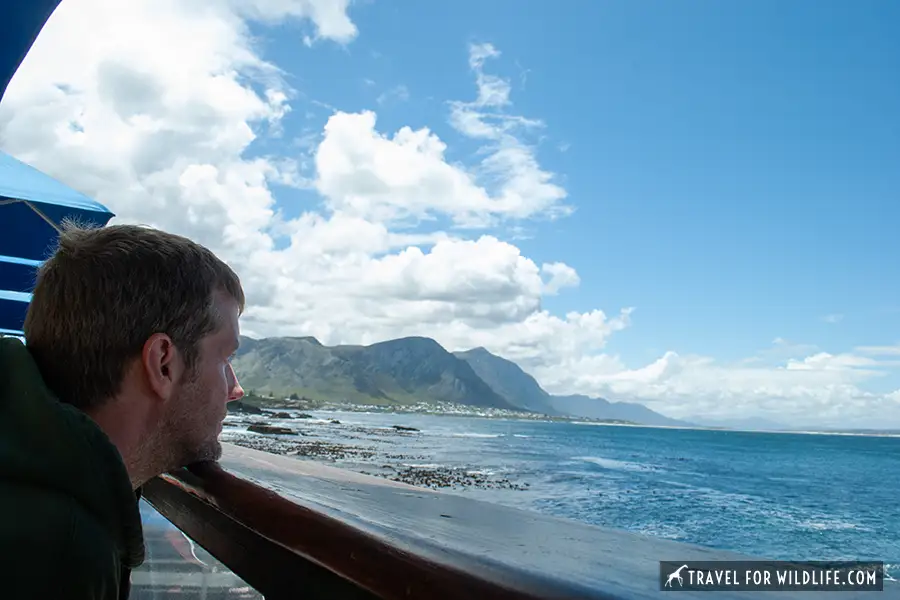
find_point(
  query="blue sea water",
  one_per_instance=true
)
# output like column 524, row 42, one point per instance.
column 780, row 496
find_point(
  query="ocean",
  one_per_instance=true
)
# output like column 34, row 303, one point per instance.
column 774, row 495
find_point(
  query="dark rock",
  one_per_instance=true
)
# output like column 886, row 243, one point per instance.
column 283, row 415
column 240, row 407
column 271, row 429
column 449, row 477
column 266, row 444
column 332, row 451
column 402, row 428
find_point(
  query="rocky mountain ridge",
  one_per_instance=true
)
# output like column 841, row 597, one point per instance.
column 412, row 370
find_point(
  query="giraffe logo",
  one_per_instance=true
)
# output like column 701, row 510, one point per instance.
column 676, row 574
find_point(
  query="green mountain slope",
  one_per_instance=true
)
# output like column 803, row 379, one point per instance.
column 509, row 380
column 402, row 371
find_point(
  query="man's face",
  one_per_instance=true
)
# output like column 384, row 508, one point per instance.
column 197, row 411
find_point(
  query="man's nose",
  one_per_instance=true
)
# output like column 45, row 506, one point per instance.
column 237, row 392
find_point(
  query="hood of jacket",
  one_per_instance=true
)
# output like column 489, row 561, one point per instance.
column 47, row 443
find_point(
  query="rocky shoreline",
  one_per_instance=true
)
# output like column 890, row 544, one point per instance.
column 448, row 477
column 363, row 449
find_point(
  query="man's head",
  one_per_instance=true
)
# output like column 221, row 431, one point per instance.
column 136, row 327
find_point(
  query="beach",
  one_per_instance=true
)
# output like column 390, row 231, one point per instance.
column 778, row 495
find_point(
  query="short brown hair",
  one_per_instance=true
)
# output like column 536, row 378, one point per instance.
column 105, row 291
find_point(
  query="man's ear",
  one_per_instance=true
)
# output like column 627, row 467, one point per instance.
column 163, row 365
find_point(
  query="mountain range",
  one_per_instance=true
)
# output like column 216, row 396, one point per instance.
column 411, row 370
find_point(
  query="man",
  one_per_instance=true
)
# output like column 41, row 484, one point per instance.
column 125, row 374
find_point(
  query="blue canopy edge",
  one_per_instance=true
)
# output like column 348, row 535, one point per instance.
column 13, row 308
column 17, row 274
column 20, row 23
column 33, row 205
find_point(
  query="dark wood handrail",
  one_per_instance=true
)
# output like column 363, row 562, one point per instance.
column 279, row 546
column 266, row 564
column 296, row 529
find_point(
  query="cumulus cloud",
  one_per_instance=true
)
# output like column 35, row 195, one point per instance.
column 329, row 17
column 402, row 241
column 394, row 178
column 820, row 388
column 157, row 131
column 163, row 137
column 560, row 275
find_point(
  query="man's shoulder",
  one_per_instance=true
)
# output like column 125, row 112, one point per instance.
column 25, row 507
column 41, row 527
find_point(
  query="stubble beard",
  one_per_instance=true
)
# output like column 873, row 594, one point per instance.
column 188, row 440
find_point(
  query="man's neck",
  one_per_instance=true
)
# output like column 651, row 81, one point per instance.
column 124, row 426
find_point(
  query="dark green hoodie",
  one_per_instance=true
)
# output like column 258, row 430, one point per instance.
column 70, row 526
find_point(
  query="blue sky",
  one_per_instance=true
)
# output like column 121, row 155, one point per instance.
column 733, row 171
column 734, row 167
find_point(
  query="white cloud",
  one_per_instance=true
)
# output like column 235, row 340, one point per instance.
column 492, row 90
column 833, row 319
column 399, row 93
column 160, row 133
column 880, row 350
column 561, row 275
column 373, row 176
column 511, row 166
column 163, row 139
column 817, row 389
column 329, row 16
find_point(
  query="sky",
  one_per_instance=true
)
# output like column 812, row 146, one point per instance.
column 691, row 205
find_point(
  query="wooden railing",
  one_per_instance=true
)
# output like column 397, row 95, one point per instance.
column 282, row 548
column 256, row 533
column 287, row 548
column 297, row 529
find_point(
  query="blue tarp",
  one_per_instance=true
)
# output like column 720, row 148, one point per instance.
column 24, row 233
column 20, row 23
column 32, row 204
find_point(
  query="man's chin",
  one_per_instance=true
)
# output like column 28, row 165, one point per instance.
column 212, row 451
column 208, row 452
